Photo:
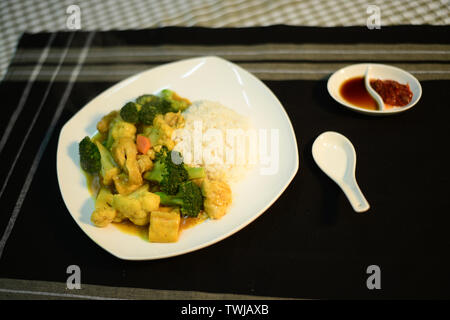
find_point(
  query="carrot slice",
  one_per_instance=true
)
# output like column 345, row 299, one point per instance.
column 143, row 143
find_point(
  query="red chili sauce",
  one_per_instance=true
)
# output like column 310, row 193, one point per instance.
column 392, row 92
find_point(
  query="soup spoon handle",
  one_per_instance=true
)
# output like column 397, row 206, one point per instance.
column 355, row 196
column 372, row 92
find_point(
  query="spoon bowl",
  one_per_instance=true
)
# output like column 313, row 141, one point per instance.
column 336, row 156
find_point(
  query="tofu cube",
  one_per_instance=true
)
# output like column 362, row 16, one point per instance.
column 164, row 226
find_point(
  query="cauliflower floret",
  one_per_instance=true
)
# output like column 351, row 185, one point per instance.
column 217, row 195
column 109, row 169
column 151, row 154
column 144, row 162
column 120, row 217
column 124, row 152
column 137, row 205
column 175, row 120
column 103, row 213
column 119, row 129
column 122, row 185
column 103, row 125
column 160, row 134
column 122, row 129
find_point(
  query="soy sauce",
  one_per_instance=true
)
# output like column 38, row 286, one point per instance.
column 354, row 91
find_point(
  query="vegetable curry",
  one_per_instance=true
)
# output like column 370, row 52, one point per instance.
column 137, row 186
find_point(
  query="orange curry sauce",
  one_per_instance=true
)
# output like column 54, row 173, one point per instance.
column 142, row 231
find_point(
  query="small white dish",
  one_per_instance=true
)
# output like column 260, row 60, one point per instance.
column 336, row 156
column 377, row 71
column 204, row 78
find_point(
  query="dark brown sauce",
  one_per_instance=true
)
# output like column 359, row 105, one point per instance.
column 354, row 91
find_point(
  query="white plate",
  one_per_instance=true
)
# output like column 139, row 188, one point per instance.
column 209, row 78
column 379, row 71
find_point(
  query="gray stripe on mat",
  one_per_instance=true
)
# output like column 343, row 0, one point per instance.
column 265, row 71
column 33, row 289
column 358, row 52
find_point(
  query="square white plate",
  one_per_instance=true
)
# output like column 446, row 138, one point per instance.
column 204, row 78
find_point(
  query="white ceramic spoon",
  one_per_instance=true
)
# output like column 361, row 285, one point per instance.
column 336, row 156
column 371, row 91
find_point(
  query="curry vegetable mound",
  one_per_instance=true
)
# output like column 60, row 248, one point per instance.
column 141, row 178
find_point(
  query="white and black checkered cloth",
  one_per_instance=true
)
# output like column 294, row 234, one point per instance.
column 33, row 16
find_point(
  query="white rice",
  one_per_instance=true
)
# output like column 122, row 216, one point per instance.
column 215, row 119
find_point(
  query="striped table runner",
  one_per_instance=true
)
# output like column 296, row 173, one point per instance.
column 309, row 244
column 52, row 15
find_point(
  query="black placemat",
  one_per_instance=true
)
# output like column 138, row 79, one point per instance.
column 309, row 244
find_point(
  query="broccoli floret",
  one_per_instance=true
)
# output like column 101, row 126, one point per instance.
column 89, row 156
column 169, row 171
column 146, row 98
column 130, row 112
column 162, row 105
column 168, row 174
column 153, row 107
column 176, row 103
column 195, row 172
column 147, row 106
column 148, row 113
column 109, row 168
column 189, row 198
